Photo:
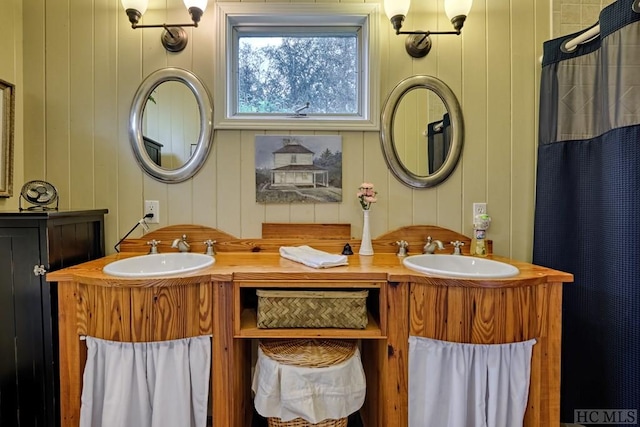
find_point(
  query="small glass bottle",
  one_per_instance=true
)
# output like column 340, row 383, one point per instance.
column 478, row 240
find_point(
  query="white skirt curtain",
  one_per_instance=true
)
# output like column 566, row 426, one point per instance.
column 156, row 384
column 468, row 385
column 313, row 394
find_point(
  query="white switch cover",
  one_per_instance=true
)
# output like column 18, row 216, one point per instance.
column 152, row 206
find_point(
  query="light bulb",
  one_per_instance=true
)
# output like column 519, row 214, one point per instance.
column 396, row 7
column 455, row 8
column 200, row 4
column 139, row 5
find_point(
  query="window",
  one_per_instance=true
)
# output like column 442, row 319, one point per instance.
column 297, row 66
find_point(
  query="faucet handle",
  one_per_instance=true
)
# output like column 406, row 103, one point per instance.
column 457, row 245
column 403, row 247
column 211, row 250
column 154, row 246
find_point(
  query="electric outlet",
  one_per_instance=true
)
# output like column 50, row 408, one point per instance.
column 152, row 206
column 479, row 209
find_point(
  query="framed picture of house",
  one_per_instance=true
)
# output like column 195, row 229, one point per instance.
column 7, row 105
column 298, row 169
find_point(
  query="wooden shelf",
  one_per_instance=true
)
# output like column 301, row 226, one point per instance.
column 309, row 284
column 249, row 329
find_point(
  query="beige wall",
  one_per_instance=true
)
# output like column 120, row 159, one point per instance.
column 11, row 71
column 85, row 62
column 570, row 16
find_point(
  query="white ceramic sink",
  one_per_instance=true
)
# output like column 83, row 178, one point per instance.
column 460, row 266
column 158, row 265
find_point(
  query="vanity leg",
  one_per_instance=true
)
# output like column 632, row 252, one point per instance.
column 72, row 352
column 394, row 373
column 231, row 369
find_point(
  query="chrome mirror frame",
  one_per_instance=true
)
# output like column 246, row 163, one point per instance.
column 450, row 101
column 205, row 136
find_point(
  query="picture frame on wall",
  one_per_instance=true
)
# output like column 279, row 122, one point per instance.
column 298, row 168
column 7, row 118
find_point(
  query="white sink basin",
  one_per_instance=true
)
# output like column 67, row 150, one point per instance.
column 460, row 266
column 158, row 265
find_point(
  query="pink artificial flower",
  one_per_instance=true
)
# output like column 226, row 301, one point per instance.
column 366, row 195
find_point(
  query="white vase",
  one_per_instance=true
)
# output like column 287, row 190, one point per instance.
column 366, row 248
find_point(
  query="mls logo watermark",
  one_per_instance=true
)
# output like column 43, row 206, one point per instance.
column 606, row 416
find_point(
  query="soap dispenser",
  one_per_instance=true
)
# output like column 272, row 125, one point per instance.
column 481, row 223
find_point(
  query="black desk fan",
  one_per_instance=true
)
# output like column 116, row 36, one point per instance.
column 40, row 194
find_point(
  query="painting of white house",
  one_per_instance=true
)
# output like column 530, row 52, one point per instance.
column 298, row 169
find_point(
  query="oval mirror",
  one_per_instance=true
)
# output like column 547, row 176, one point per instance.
column 422, row 131
column 170, row 124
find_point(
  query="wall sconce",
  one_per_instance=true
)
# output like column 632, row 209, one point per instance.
column 418, row 44
column 173, row 38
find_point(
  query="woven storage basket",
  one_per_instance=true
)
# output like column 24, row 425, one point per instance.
column 299, row 422
column 311, row 353
column 312, row 309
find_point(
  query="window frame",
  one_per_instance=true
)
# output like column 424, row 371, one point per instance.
column 280, row 15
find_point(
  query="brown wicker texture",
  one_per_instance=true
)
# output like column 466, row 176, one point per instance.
column 312, row 309
column 299, row 422
column 309, row 353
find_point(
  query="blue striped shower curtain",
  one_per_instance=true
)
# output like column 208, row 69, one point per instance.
column 587, row 218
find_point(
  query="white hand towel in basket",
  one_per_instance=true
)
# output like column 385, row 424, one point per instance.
column 312, row 257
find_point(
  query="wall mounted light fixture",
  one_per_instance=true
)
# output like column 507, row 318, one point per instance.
column 418, row 44
column 174, row 37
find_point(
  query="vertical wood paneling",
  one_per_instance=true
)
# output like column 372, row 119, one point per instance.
column 94, row 64
column 230, row 199
column 58, row 102
column 352, row 176
column 105, row 110
column 81, row 97
column 129, row 176
column 500, row 28
column 203, row 203
column 475, row 111
column 34, row 88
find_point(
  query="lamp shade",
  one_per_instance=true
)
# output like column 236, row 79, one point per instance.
column 396, row 7
column 200, row 4
column 139, row 5
column 455, row 8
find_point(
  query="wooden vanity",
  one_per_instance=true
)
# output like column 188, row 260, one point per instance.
column 220, row 301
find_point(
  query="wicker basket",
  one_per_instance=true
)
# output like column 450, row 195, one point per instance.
column 308, row 353
column 299, row 422
column 312, row 309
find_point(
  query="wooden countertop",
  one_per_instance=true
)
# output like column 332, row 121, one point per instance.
column 231, row 266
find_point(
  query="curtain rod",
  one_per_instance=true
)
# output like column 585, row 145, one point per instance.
column 589, row 34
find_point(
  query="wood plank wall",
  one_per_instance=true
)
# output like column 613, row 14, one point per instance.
column 11, row 71
column 85, row 63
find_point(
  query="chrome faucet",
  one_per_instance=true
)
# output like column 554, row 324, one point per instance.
column 181, row 244
column 431, row 245
column 153, row 243
column 211, row 250
column 457, row 247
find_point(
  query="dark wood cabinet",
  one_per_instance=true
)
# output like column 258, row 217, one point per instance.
column 154, row 150
column 31, row 244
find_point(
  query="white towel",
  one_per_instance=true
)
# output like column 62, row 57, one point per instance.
column 312, row 257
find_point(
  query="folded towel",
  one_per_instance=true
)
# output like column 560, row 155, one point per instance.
column 312, row 257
